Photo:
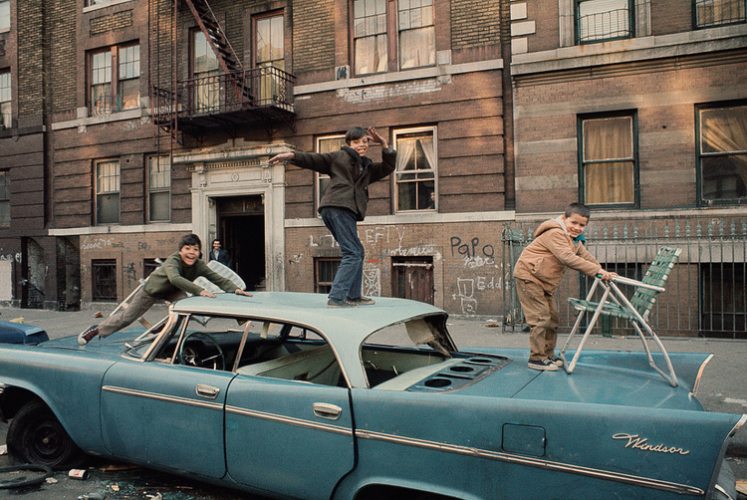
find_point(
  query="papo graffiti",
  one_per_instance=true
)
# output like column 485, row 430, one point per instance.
column 475, row 253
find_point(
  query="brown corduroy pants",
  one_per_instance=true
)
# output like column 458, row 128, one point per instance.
column 541, row 314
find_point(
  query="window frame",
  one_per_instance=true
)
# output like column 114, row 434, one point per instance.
column 396, row 133
column 698, row 26
column 6, row 119
column 4, row 29
column 633, row 115
column 324, row 286
column 97, row 193
column 577, row 24
column 393, row 35
column 151, row 190
column 318, row 177
column 96, row 265
column 701, row 201
column 5, row 199
column 400, row 32
column 114, row 102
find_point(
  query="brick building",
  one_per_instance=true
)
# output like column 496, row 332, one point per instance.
column 128, row 123
column 639, row 109
column 156, row 118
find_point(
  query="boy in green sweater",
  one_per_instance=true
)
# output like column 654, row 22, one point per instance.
column 172, row 281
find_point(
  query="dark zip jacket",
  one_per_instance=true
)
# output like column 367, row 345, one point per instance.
column 349, row 176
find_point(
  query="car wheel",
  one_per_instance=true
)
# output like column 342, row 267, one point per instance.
column 35, row 436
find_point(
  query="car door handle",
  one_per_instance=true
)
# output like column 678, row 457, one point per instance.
column 326, row 410
column 207, row 391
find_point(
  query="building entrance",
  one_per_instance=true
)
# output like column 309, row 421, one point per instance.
column 241, row 229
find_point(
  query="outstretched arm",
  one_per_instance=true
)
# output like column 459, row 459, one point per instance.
column 282, row 157
column 377, row 138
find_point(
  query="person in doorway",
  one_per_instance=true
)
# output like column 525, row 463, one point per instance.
column 171, row 281
column 220, row 254
column 345, row 201
column 557, row 244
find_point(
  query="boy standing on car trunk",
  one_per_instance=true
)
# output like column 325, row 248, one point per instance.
column 557, row 244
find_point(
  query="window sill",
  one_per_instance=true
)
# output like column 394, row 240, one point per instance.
column 84, row 120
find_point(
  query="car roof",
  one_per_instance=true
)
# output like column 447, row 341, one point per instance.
column 348, row 324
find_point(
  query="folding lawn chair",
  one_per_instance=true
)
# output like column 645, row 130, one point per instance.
column 636, row 310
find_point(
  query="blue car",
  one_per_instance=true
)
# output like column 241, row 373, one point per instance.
column 21, row 333
column 278, row 395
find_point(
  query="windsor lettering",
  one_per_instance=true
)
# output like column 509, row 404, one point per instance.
column 637, row 442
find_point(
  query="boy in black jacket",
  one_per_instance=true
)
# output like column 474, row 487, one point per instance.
column 344, row 203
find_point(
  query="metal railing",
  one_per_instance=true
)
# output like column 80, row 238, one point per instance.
column 709, row 13
column 706, row 294
column 229, row 92
column 608, row 25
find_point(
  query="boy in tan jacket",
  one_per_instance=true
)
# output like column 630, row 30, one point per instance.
column 557, row 244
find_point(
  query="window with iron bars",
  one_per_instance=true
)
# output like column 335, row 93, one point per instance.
column 324, row 273
column 104, row 275
column 708, row 13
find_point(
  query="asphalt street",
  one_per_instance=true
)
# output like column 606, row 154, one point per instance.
column 722, row 388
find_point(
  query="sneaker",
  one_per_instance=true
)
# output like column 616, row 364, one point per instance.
column 542, row 365
column 557, row 360
column 362, row 301
column 88, row 334
column 339, row 303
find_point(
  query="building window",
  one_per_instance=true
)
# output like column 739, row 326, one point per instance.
column 205, row 75
column 415, row 175
column 370, row 36
column 159, row 188
column 150, row 265
column 328, row 144
column 4, row 199
column 114, row 79
column 104, row 273
column 107, row 192
column 600, row 20
column 5, row 100
column 324, row 273
column 417, row 34
column 609, row 170
column 269, row 56
column 722, row 148
column 717, row 12
column 4, row 15
column 414, row 41
column 723, row 300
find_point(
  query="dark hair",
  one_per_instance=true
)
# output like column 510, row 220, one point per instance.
column 190, row 240
column 216, row 239
column 355, row 133
column 578, row 208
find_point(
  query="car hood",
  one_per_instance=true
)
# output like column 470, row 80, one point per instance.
column 600, row 377
column 114, row 345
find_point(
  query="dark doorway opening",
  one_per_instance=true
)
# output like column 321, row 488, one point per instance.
column 241, row 229
column 412, row 278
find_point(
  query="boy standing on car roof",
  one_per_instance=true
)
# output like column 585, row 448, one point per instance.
column 171, row 281
column 344, row 203
column 557, row 244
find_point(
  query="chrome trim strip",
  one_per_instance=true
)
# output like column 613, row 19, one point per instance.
column 335, row 429
column 721, row 490
column 696, row 384
column 162, row 397
column 739, row 424
column 532, row 462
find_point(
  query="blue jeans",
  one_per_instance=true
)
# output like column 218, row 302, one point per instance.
column 342, row 223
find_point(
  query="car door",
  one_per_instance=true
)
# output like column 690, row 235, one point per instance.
column 291, row 437
column 166, row 415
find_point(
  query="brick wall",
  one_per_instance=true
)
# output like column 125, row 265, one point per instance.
column 30, row 64
column 670, row 16
column 474, row 24
column 313, row 35
column 62, row 54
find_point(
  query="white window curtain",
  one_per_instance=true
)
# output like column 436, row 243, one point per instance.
column 609, row 176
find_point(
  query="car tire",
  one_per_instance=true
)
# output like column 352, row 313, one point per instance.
column 35, row 436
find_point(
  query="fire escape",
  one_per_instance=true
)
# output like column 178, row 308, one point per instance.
column 234, row 97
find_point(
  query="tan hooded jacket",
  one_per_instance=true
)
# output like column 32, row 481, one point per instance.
column 544, row 260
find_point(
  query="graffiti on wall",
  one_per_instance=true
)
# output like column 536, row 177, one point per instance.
column 372, row 282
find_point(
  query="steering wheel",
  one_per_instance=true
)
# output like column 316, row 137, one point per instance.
column 193, row 352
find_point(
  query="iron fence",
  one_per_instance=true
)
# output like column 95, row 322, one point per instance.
column 705, row 295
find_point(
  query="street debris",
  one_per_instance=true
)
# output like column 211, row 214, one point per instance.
column 157, row 496
column 51, row 480
column 492, row 323
column 96, row 495
column 3, row 449
column 81, row 474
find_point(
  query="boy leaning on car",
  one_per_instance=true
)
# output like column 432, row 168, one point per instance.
column 557, row 244
column 171, row 281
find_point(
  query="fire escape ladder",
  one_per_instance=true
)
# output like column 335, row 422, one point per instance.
column 227, row 59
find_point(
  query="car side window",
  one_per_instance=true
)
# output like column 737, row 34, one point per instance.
column 289, row 352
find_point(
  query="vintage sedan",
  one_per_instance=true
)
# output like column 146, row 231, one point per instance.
column 21, row 333
column 278, row 395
